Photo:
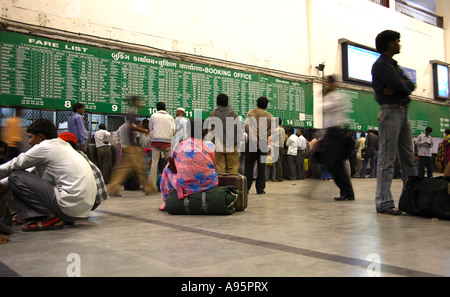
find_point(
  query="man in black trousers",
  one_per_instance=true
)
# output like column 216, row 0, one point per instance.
column 335, row 145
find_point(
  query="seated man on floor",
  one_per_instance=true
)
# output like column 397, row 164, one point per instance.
column 191, row 167
column 51, row 182
column 102, row 193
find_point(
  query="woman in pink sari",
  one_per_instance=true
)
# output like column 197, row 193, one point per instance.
column 195, row 168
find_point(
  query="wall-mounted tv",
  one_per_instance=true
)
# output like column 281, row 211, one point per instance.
column 357, row 61
column 440, row 80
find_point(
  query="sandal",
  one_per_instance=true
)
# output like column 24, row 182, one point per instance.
column 47, row 224
column 16, row 220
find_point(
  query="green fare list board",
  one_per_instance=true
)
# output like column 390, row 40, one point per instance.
column 423, row 115
column 362, row 114
column 49, row 74
column 361, row 110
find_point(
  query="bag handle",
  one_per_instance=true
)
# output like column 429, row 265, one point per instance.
column 186, row 205
column 204, row 204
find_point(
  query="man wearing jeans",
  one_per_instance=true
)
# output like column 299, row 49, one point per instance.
column 392, row 89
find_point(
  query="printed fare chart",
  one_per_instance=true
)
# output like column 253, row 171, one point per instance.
column 43, row 73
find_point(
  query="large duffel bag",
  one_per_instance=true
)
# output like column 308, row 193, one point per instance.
column 216, row 201
column 427, row 197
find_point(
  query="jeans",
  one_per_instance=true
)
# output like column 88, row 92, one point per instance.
column 325, row 173
column 373, row 166
column 395, row 136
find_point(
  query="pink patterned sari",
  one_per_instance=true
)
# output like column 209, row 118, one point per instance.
column 194, row 160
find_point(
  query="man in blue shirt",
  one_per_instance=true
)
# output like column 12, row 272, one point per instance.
column 77, row 127
column 392, row 89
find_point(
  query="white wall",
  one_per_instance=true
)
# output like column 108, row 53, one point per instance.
column 360, row 22
column 262, row 33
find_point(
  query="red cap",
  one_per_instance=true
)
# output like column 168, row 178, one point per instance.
column 67, row 136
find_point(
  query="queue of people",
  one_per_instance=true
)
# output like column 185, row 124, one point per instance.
column 52, row 196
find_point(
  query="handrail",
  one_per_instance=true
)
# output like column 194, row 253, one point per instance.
column 428, row 17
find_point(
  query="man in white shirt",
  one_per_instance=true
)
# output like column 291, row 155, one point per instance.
column 424, row 146
column 300, row 160
column 181, row 124
column 277, row 141
column 359, row 146
column 104, row 157
column 336, row 140
column 292, row 145
column 162, row 129
column 61, row 186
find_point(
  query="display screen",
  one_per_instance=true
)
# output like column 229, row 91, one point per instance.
column 441, row 81
column 357, row 61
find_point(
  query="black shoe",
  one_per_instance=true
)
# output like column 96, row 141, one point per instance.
column 391, row 211
column 344, row 198
column 260, row 193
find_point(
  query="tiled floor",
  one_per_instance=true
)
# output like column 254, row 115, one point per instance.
column 294, row 230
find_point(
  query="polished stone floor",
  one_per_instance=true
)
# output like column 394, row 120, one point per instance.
column 295, row 230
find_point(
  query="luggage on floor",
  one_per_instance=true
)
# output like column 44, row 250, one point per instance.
column 428, row 197
column 215, row 201
column 240, row 182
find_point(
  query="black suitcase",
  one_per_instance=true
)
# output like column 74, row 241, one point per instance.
column 427, row 197
column 240, row 182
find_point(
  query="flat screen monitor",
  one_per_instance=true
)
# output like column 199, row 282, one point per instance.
column 357, row 61
column 441, row 81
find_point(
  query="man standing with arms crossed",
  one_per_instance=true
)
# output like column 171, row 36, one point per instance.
column 392, row 89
